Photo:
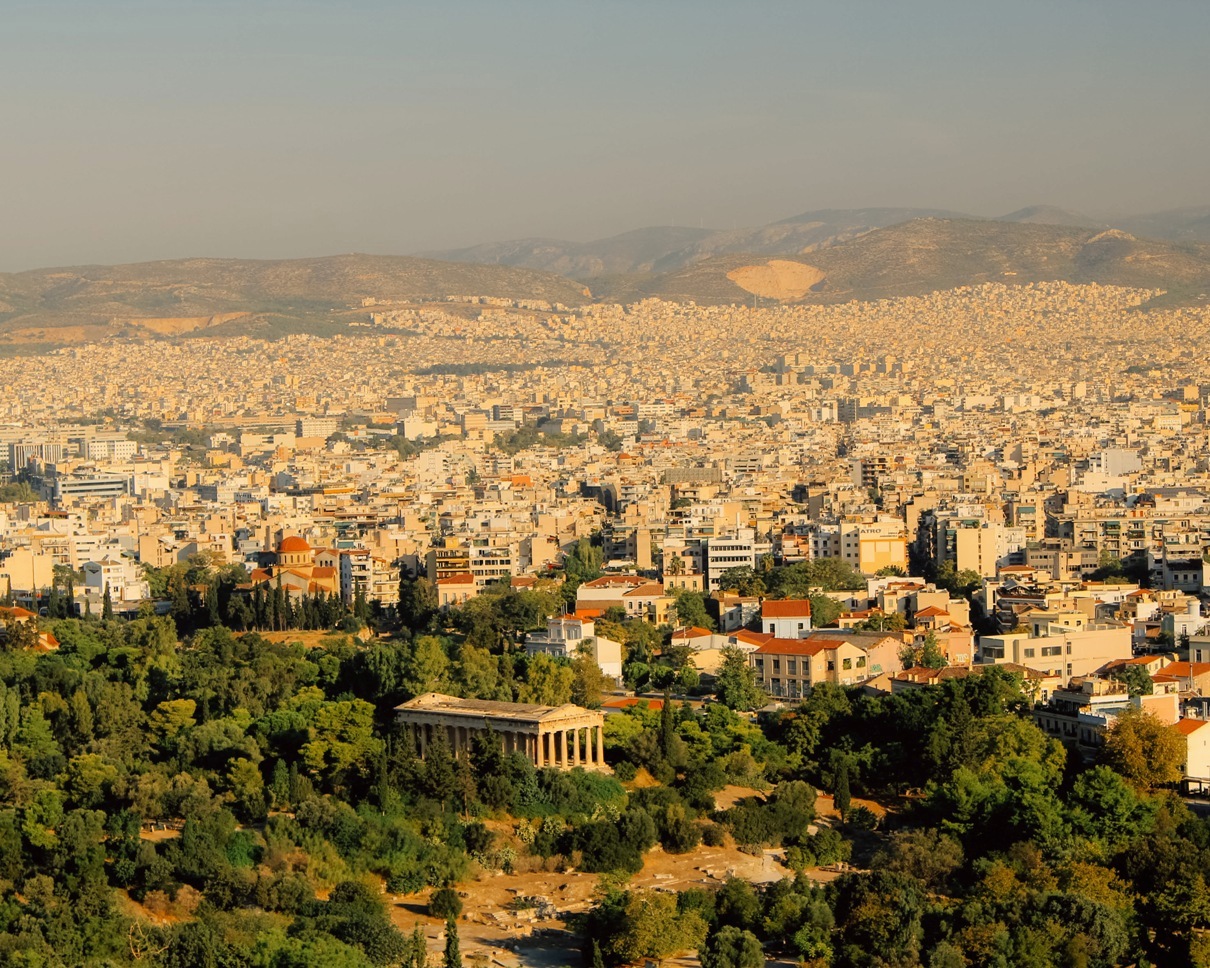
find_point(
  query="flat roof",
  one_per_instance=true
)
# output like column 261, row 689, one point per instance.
column 435, row 702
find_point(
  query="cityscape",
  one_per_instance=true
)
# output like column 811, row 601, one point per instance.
column 451, row 515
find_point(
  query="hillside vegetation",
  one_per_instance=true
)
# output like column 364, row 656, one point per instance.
column 925, row 255
column 187, row 295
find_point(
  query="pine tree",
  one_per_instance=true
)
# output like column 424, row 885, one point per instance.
column 106, row 605
column 453, row 956
column 598, row 961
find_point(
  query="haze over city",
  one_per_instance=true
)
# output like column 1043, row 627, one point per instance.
column 146, row 130
column 542, row 485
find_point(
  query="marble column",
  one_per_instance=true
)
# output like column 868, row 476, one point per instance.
column 600, row 731
column 541, row 759
column 575, row 746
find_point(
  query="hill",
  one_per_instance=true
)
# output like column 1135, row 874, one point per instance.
column 641, row 250
column 1184, row 225
column 51, row 306
column 1050, row 215
column 924, row 255
column 669, row 248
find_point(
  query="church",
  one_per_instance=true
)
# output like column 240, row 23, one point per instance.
column 300, row 569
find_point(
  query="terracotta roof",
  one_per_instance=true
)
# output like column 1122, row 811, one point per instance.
column 652, row 589
column 1189, row 726
column 752, row 638
column 1186, row 670
column 462, row 578
column 931, row 612
column 786, row 608
column 614, row 581
column 293, row 545
column 693, row 632
column 812, row 646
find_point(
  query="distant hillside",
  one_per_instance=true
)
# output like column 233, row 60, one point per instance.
column 642, row 250
column 1183, row 225
column 667, row 248
column 168, row 298
column 930, row 254
column 1050, row 215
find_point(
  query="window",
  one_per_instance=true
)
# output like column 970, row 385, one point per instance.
column 777, row 665
column 800, row 626
column 861, row 662
column 1069, row 650
column 792, row 667
column 847, row 664
column 831, row 666
column 1029, row 653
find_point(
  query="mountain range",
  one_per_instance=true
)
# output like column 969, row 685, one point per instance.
column 663, row 249
column 820, row 256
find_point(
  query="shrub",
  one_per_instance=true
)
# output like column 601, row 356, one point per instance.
column 445, row 903
column 862, row 818
column 714, row 835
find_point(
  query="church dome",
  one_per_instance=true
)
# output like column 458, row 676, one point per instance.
column 293, row 545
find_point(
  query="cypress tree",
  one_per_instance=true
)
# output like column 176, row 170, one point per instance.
column 842, row 798
column 598, row 961
column 667, row 725
column 8, row 595
column 213, row 617
column 107, row 605
column 453, row 956
column 70, row 603
column 420, row 948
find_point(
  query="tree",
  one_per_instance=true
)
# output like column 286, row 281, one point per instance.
column 453, row 956
column 427, row 666
column 106, row 605
column 691, row 609
column 736, row 685
column 420, row 949
column 1142, row 749
column 825, row 610
column 445, row 903
column 927, row 654
column 589, row 684
column 1136, row 679
column 584, row 562
column 731, row 947
column 841, row 797
column 548, row 681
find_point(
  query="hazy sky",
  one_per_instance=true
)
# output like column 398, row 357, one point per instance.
column 159, row 129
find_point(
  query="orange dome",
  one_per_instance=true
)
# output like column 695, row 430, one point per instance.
column 292, row 546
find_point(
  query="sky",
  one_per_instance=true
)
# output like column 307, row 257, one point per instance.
column 134, row 130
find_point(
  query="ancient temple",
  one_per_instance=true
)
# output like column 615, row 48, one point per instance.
column 556, row 736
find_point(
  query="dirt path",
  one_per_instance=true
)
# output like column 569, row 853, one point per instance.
column 492, row 931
